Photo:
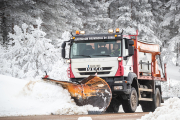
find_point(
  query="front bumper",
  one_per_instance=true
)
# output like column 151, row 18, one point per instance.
column 125, row 85
column 126, row 88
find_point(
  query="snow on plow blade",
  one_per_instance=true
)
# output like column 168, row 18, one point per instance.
column 92, row 90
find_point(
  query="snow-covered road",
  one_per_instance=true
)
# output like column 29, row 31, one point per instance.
column 117, row 116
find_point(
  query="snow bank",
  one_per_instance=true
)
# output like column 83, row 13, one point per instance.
column 173, row 72
column 23, row 97
column 169, row 111
column 171, row 88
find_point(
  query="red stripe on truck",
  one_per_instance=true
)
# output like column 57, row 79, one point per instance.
column 120, row 71
column 69, row 72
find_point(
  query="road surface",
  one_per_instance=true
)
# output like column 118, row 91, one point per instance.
column 114, row 116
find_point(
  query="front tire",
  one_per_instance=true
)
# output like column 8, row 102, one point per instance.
column 114, row 106
column 129, row 106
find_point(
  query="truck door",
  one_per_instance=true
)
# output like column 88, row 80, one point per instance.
column 127, row 60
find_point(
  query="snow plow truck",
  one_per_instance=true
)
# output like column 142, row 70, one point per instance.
column 109, row 70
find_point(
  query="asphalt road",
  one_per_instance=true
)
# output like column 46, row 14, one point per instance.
column 114, row 116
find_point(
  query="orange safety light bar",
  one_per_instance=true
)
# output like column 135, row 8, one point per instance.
column 117, row 30
column 77, row 32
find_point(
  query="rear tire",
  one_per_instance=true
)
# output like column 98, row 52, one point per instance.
column 151, row 106
column 129, row 106
column 156, row 100
column 114, row 106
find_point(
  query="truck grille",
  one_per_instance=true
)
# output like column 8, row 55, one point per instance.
column 106, row 70
column 93, row 73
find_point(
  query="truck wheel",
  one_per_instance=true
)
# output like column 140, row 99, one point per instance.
column 129, row 106
column 113, row 107
column 151, row 106
column 146, row 106
column 156, row 100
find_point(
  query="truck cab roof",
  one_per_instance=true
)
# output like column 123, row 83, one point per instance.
column 100, row 36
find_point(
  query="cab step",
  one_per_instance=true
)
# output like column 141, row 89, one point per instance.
column 145, row 99
column 143, row 89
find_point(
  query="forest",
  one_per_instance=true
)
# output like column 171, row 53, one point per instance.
column 31, row 31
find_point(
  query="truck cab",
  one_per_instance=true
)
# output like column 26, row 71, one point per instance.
column 108, row 56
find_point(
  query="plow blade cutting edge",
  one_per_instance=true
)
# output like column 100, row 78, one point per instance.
column 92, row 90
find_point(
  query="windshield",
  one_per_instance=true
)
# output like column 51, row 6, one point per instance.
column 94, row 49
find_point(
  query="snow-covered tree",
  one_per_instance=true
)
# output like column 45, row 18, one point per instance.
column 32, row 53
column 58, row 16
column 158, row 11
column 171, row 22
column 142, row 15
column 95, row 15
column 124, row 18
column 60, row 66
column 1, row 58
column 16, row 12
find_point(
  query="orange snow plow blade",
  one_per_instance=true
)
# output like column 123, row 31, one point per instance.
column 92, row 90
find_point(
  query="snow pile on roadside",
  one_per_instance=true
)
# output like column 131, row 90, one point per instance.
column 173, row 72
column 169, row 111
column 171, row 88
column 22, row 97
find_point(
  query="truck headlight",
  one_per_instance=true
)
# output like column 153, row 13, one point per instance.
column 68, row 61
column 118, row 87
column 82, row 32
column 110, row 31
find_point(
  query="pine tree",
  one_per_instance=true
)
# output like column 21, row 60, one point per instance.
column 158, row 11
column 95, row 18
column 142, row 15
column 171, row 22
column 125, row 17
column 58, row 16
column 16, row 12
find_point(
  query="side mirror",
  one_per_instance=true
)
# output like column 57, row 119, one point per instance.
column 63, row 45
column 131, row 48
column 131, row 42
column 63, row 52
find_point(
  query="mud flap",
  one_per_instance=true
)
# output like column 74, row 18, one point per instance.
column 92, row 90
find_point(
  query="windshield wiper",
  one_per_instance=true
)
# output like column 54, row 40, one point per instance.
column 83, row 55
column 102, row 55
